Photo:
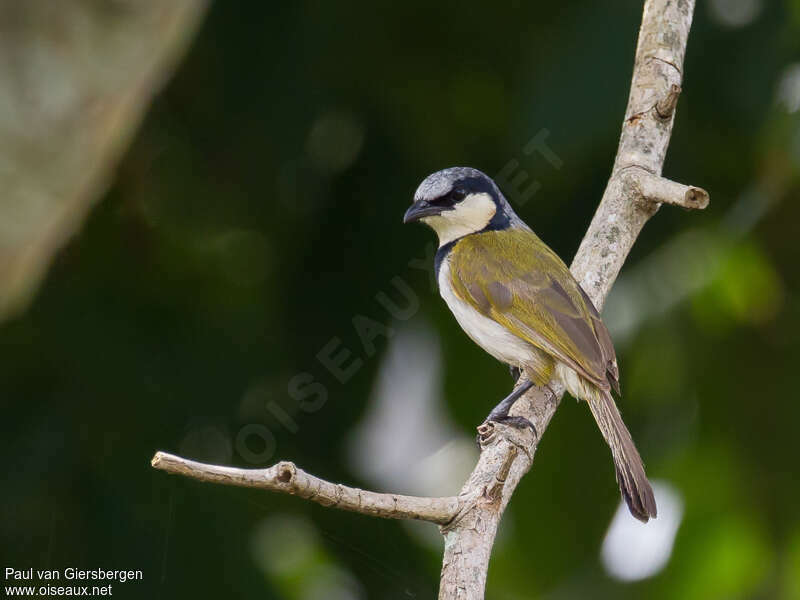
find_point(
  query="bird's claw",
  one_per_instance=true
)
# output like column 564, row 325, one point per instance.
column 517, row 422
column 486, row 429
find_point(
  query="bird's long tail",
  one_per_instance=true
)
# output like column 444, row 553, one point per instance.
column 631, row 477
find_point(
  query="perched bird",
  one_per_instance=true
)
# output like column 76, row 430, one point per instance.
column 518, row 301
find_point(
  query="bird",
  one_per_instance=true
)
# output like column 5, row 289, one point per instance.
column 516, row 299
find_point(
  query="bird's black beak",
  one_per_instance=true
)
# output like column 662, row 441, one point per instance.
column 419, row 210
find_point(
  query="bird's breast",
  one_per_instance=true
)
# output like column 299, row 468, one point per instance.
column 487, row 333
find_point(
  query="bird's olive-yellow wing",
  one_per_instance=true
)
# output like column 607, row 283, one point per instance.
column 512, row 277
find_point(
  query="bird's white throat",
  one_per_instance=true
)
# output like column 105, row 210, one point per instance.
column 472, row 214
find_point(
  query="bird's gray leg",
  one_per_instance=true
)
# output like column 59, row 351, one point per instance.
column 500, row 414
column 515, row 373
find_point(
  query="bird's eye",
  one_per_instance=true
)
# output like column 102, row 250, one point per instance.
column 445, row 200
column 450, row 198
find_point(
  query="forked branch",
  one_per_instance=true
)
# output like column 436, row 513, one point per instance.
column 634, row 193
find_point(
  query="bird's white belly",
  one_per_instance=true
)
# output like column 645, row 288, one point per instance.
column 502, row 344
column 488, row 334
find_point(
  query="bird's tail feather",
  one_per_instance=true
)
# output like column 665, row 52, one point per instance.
column 631, row 477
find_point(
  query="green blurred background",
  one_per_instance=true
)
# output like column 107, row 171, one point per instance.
column 256, row 220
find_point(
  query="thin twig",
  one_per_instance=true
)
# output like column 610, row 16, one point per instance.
column 286, row 477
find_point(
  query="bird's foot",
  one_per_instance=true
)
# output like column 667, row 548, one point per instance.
column 500, row 414
column 487, row 429
column 517, row 422
column 511, row 420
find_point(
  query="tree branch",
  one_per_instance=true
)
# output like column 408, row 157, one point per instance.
column 286, row 477
column 653, row 188
column 634, row 193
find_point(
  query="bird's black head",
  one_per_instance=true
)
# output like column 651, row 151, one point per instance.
column 458, row 201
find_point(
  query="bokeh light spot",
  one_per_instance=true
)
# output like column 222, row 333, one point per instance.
column 633, row 550
column 734, row 13
column 789, row 88
column 334, row 141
